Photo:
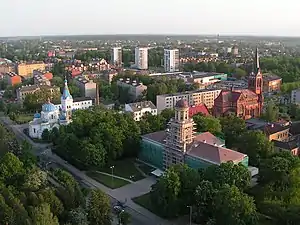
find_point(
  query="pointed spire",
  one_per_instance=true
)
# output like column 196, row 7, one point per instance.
column 257, row 60
column 66, row 92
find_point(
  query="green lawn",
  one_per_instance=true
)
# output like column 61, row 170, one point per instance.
column 107, row 180
column 145, row 168
column 124, row 168
column 144, row 201
column 24, row 118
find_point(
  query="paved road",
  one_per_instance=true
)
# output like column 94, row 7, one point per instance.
column 139, row 215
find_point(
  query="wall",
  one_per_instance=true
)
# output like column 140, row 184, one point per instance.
column 151, row 153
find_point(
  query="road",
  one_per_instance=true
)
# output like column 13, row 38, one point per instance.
column 139, row 215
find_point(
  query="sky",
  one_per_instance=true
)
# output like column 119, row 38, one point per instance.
column 224, row 17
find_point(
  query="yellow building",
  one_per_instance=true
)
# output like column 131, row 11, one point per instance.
column 26, row 69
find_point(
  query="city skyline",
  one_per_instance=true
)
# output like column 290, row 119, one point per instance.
column 232, row 17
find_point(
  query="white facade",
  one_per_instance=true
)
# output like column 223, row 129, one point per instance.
column 116, row 55
column 141, row 58
column 55, row 115
column 171, row 60
column 295, row 96
column 139, row 109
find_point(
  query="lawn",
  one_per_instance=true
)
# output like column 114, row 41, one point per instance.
column 124, row 168
column 144, row 201
column 23, row 118
column 107, row 180
column 145, row 168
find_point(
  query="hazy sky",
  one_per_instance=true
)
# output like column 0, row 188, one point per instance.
column 254, row 17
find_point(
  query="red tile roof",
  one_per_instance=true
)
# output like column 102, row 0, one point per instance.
column 209, row 138
column 195, row 109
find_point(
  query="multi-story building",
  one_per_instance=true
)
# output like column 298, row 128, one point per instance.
column 235, row 50
column 141, row 58
column 207, row 78
column 116, row 56
column 12, row 78
column 180, row 144
column 139, row 109
column 295, row 96
column 6, row 68
column 135, row 89
column 26, row 69
column 205, row 96
column 23, row 91
column 272, row 83
column 42, row 77
column 88, row 88
column 171, row 60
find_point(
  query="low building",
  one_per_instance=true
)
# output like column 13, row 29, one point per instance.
column 42, row 77
column 139, row 109
column 271, row 83
column 275, row 131
column 23, row 91
column 26, row 69
column 205, row 96
column 209, row 78
column 179, row 144
column 12, row 78
column 135, row 88
column 295, row 96
column 7, row 67
column 88, row 88
column 291, row 146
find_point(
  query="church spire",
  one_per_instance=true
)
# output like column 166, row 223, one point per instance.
column 66, row 92
column 257, row 66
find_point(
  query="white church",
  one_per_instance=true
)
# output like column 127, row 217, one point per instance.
column 55, row 115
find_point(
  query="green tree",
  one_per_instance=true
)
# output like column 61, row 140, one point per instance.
column 46, row 135
column 256, row 145
column 99, row 212
column 11, row 169
column 42, row 215
column 35, row 179
column 78, row 217
column 272, row 112
column 207, row 123
column 125, row 218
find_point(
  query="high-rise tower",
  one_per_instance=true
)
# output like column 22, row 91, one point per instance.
column 180, row 134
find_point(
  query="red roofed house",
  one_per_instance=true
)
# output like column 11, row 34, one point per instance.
column 195, row 109
column 180, row 144
column 246, row 103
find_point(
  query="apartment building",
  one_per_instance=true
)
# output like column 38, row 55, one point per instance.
column 6, row 68
column 26, row 69
column 23, row 91
column 42, row 77
column 271, row 83
column 171, row 60
column 135, row 89
column 88, row 88
column 295, row 96
column 205, row 96
column 139, row 109
column 12, row 78
column 116, row 56
column 141, row 58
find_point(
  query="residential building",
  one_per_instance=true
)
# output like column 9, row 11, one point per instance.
column 207, row 78
column 275, row 131
column 171, row 60
column 116, row 56
column 135, row 88
column 205, row 96
column 235, row 50
column 53, row 116
column 23, row 91
column 272, row 83
column 139, row 109
column 245, row 103
column 26, row 69
column 6, row 68
column 295, row 96
column 141, row 58
column 180, row 144
column 12, row 78
column 88, row 88
column 291, row 146
column 42, row 77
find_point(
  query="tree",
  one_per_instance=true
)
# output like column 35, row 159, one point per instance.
column 35, row 179
column 239, row 73
column 232, row 128
column 125, row 218
column 256, row 145
column 42, row 215
column 272, row 112
column 46, row 135
column 11, row 169
column 233, row 207
column 207, row 123
column 78, row 217
column 99, row 208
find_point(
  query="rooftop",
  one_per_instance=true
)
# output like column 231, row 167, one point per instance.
column 206, row 74
column 35, row 86
column 288, row 145
column 11, row 74
column 271, row 77
column 189, row 92
column 137, row 106
column 130, row 82
column 273, row 128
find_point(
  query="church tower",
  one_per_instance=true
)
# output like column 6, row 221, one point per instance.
column 255, row 81
column 180, row 134
column 66, row 103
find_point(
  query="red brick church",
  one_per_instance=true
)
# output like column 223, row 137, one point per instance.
column 245, row 103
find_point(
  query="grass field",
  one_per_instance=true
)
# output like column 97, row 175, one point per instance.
column 145, row 168
column 124, row 168
column 107, row 180
column 144, row 201
column 24, row 118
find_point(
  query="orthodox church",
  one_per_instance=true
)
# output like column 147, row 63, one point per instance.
column 55, row 115
column 246, row 103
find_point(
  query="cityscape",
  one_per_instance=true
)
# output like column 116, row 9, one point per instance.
column 149, row 129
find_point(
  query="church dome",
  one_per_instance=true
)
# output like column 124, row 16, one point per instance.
column 182, row 104
column 48, row 107
column 37, row 115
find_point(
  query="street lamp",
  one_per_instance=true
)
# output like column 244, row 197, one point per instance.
column 191, row 210
column 131, row 177
column 120, row 220
column 112, row 176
